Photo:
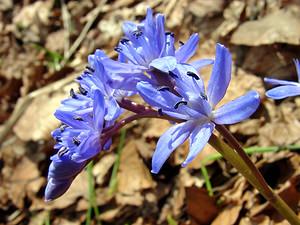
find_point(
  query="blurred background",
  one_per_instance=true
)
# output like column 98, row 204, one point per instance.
column 44, row 45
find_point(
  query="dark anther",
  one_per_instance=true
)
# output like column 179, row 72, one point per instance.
column 79, row 78
column 137, row 33
column 72, row 93
column 90, row 69
column 160, row 112
column 63, row 127
column 181, row 42
column 58, row 139
column 76, row 141
column 179, row 103
column 62, row 151
column 173, row 74
column 82, row 90
column 191, row 74
column 170, row 33
column 203, row 96
column 118, row 49
column 79, row 118
column 124, row 41
column 163, row 88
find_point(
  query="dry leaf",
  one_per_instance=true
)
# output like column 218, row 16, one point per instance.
column 133, row 176
column 228, row 216
column 281, row 26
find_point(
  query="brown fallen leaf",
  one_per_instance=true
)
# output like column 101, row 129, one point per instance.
column 102, row 167
column 228, row 216
column 200, row 206
column 133, row 176
column 282, row 26
column 38, row 117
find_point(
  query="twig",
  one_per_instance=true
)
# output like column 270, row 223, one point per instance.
column 94, row 14
column 66, row 18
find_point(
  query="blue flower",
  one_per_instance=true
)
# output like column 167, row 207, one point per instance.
column 286, row 88
column 78, row 140
column 189, row 101
column 147, row 47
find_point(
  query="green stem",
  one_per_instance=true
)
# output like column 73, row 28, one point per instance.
column 234, row 158
column 113, row 179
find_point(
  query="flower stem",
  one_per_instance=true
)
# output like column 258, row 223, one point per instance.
column 247, row 171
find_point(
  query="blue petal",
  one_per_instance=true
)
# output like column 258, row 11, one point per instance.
column 186, row 51
column 68, row 119
column 60, row 176
column 274, row 82
column 113, row 110
column 198, row 64
column 198, row 139
column 98, row 111
column 127, row 81
column 164, row 64
column 160, row 33
column 90, row 147
column 238, row 109
column 168, row 142
column 283, row 92
column 152, row 96
column 56, row 188
column 220, row 77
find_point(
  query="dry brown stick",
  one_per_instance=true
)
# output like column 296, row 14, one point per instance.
column 94, row 14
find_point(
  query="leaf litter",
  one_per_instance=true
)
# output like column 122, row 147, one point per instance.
column 35, row 38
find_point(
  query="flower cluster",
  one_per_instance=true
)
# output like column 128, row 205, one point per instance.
column 149, row 65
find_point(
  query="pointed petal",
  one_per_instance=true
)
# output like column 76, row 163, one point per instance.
column 238, row 109
column 198, row 139
column 283, row 92
column 198, row 64
column 186, row 51
column 56, row 188
column 98, row 111
column 164, row 64
column 90, row 147
column 274, row 82
column 220, row 77
column 152, row 96
column 113, row 110
column 168, row 142
column 68, row 119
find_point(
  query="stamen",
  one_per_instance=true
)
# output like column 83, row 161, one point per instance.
column 63, row 127
column 163, row 88
column 181, row 43
column 179, row 103
column 137, row 33
column 79, row 118
column 203, row 96
column 82, row 90
column 160, row 112
column 118, row 49
column 173, row 74
column 170, row 33
column 90, row 68
column 191, row 74
column 58, row 139
column 79, row 78
column 62, row 151
column 72, row 93
column 76, row 141
column 124, row 41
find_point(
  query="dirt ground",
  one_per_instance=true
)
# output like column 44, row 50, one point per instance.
column 44, row 46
